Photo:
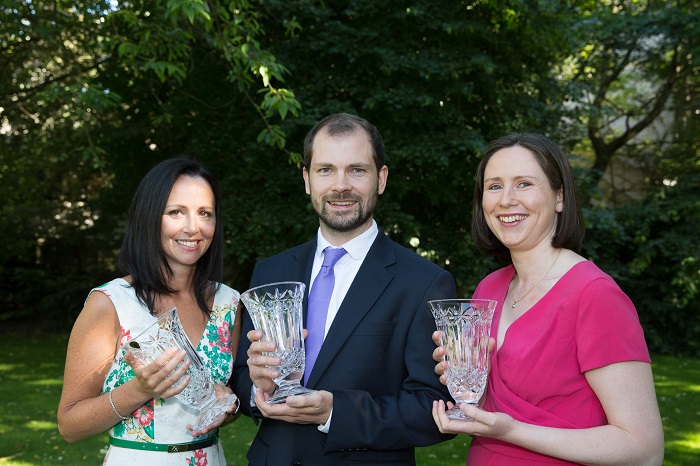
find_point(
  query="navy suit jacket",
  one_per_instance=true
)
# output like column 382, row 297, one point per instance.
column 376, row 360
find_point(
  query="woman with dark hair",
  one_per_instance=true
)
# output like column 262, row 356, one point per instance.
column 570, row 379
column 172, row 255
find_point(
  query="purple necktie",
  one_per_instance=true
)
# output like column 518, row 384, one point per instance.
column 319, row 299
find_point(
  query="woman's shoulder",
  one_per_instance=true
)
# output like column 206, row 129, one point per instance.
column 108, row 299
column 499, row 276
column 116, row 287
column 586, row 273
column 226, row 294
column 593, row 287
column 123, row 298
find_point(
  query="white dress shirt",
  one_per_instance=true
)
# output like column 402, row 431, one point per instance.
column 345, row 269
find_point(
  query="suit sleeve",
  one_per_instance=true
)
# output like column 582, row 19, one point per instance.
column 403, row 418
column 240, row 381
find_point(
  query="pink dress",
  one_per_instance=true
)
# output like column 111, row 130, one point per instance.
column 537, row 375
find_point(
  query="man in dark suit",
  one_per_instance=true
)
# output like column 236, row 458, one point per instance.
column 374, row 374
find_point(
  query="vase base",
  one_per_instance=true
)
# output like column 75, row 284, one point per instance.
column 280, row 396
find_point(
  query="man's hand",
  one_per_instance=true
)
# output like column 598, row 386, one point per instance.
column 258, row 363
column 438, row 356
column 314, row 408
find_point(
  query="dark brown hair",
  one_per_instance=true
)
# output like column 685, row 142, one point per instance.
column 570, row 226
column 142, row 255
column 342, row 124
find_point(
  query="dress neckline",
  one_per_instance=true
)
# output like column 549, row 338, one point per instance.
column 499, row 310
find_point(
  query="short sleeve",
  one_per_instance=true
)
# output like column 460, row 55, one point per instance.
column 608, row 328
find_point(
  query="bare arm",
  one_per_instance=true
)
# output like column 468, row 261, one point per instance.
column 633, row 435
column 236, row 331
column 82, row 410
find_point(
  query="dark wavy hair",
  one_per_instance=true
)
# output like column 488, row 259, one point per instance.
column 142, row 255
column 570, row 229
column 343, row 124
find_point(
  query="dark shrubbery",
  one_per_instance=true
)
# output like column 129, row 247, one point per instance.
column 652, row 249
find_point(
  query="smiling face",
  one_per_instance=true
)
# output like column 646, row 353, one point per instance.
column 343, row 183
column 188, row 222
column 520, row 207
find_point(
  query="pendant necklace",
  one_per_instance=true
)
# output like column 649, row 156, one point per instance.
column 516, row 301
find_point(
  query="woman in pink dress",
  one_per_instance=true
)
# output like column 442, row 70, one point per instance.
column 570, row 379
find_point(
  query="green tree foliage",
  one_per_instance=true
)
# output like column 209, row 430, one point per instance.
column 634, row 60
column 653, row 251
column 163, row 37
column 438, row 78
column 93, row 94
column 86, row 88
column 49, row 163
column 634, row 86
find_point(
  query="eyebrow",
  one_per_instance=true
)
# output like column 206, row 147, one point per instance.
column 352, row 165
column 499, row 178
column 182, row 206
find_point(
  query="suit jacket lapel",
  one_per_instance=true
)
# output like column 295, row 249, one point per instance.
column 369, row 284
column 300, row 269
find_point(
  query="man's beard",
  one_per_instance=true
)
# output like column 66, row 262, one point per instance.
column 348, row 221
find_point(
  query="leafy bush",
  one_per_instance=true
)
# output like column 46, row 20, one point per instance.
column 652, row 249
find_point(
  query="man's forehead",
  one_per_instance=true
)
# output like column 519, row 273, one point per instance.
column 352, row 148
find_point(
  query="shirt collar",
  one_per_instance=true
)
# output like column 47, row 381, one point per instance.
column 357, row 248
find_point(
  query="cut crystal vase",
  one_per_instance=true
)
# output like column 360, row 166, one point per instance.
column 199, row 393
column 464, row 326
column 276, row 310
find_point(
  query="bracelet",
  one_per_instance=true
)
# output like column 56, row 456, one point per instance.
column 111, row 401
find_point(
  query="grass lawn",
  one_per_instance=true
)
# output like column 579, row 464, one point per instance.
column 31, row 369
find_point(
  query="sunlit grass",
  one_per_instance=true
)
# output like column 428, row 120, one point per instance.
column 31, row 370
column 677, row 384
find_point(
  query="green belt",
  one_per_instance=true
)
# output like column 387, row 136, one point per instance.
column 173, row 448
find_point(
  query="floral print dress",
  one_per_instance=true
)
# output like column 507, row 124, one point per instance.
column 161, row 420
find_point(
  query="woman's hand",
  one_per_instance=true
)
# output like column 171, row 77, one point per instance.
column 493, row 425
column 439, row 354
column 228, row 417
column 159, row 377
